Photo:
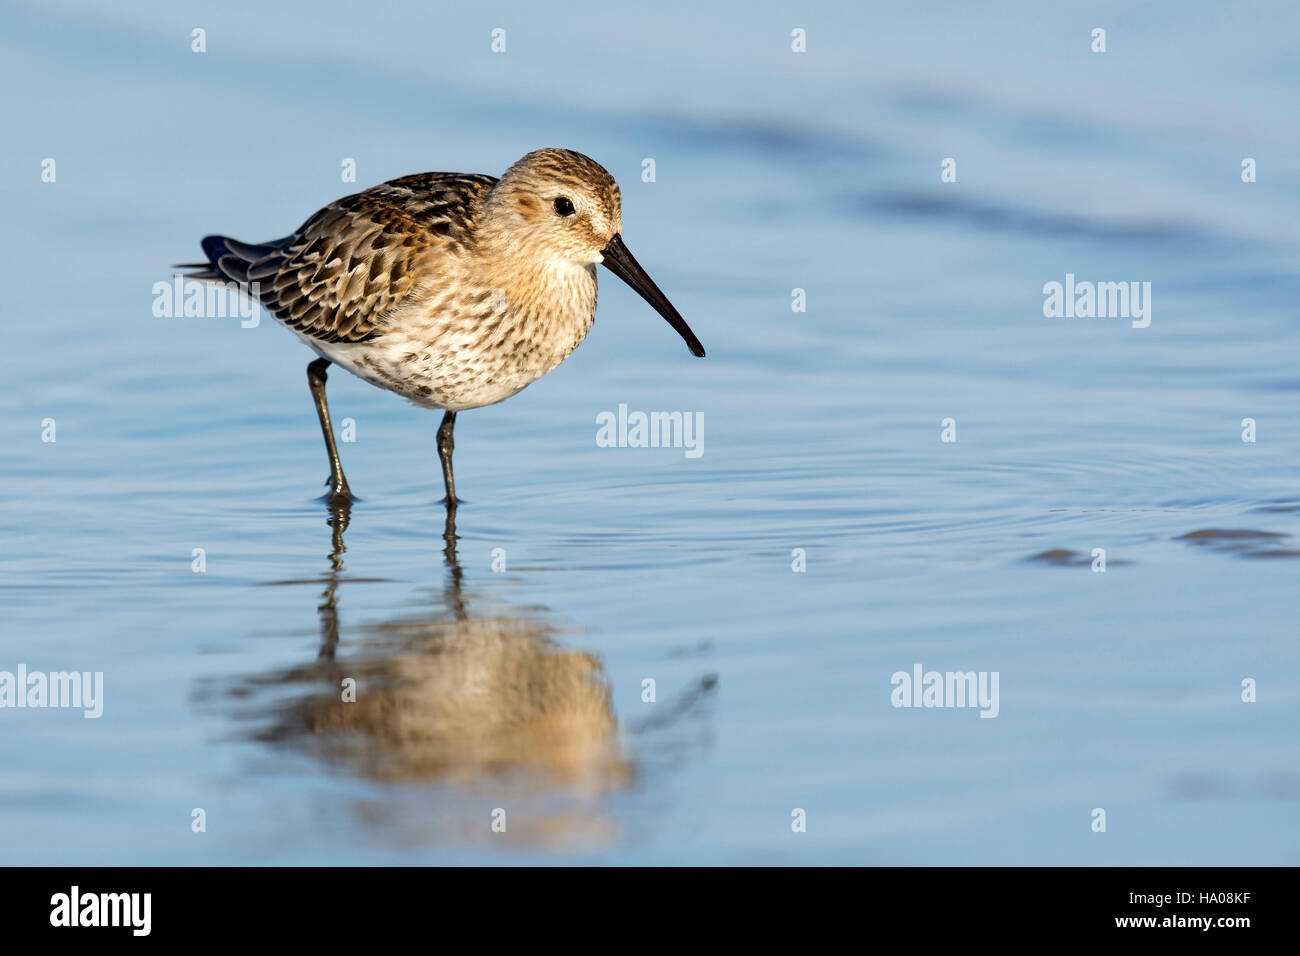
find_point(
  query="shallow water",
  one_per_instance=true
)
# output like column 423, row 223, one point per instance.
column 502, row 667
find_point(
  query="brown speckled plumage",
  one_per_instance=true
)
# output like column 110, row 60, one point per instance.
column 355, row 261
column 453, row 290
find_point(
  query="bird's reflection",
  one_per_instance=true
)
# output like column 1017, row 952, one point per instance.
column 483, row 703
column 458, row 697
column 459, row 709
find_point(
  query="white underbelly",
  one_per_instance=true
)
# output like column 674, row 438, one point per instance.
column 447, row 378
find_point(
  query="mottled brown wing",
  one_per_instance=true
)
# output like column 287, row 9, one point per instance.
column 361, row 257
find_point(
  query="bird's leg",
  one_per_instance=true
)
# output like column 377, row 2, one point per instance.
column 339, row 490
column 445, row 445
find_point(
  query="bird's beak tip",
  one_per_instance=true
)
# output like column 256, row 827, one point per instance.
column 619, row 260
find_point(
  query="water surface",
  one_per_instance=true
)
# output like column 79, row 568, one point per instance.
column 502, row 664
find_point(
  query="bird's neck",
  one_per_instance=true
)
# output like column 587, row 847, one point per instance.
column 537, row 286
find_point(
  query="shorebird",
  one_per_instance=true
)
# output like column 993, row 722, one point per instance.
column 453, row 290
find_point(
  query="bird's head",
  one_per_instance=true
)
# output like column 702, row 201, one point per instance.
column 560, row 209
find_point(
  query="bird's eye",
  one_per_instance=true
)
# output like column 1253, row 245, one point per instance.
column 563, row 206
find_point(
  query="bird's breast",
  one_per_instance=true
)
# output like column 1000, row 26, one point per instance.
column 538, row 319
column 479, row 344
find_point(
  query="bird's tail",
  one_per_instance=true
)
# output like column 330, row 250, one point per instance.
column 230, row 260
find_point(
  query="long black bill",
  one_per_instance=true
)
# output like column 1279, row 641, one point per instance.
column 621, row 263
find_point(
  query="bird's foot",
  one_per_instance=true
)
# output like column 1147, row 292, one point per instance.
column 339, row 494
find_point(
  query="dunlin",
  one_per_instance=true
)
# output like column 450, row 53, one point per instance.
column 453, row 290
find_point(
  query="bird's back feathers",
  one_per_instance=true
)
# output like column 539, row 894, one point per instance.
column 340, row 274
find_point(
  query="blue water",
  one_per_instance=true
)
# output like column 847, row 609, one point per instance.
column 518, row 692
